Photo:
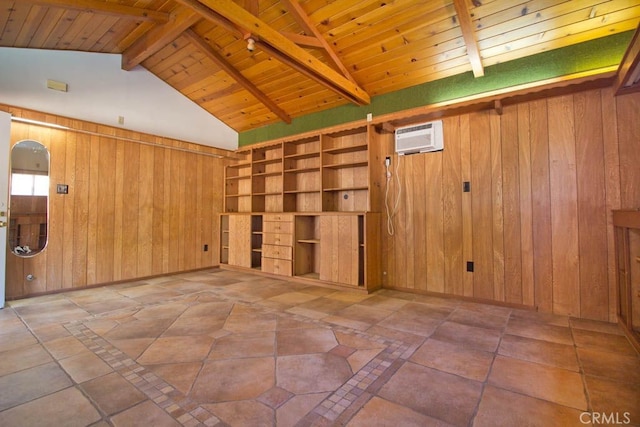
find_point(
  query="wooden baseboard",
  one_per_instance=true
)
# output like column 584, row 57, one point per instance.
column 100, row 285
column 299, row 279
column 631, row 336
column 462, row 298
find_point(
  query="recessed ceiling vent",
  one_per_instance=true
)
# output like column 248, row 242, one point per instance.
column 422, row 138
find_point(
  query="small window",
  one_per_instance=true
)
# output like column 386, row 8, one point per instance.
column 29, row 185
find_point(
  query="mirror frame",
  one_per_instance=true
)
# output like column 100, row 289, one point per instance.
column 37, row 146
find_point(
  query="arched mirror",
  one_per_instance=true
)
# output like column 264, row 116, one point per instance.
column 29, row 199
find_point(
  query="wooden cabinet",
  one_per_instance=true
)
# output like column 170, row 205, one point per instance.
column 241, row 240
column 627, row 235
column 311, row 207
column 28, row 222
column 28, row 230
column 277, row 251
column 349, row 250
column 340, row 240
column 329, row 248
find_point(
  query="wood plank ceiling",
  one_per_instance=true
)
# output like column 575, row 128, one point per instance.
column 309, row 55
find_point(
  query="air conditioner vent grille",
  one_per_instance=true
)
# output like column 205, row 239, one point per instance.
column 414, row 128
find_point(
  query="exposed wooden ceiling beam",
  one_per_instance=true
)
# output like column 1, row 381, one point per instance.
column 269, row 50
column 628, row 77
column 253, row 7
column 304, row 21
column 469, row 35
column 157, row 38
column 235, row 74
column 104, row 8
column 301, row 39
column 211, row 16
column 267, row 35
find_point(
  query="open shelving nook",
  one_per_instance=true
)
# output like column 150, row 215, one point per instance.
column 345, row 171
column 302, row 175
column 224, row 239
column 307, row 252
column 256, row 242
column 266, row 179
column 237, row 188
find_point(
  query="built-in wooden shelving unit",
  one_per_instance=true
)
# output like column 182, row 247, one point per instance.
column 312, row 204
column 338, row 171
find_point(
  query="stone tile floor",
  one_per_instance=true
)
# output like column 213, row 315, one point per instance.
column 224, row 348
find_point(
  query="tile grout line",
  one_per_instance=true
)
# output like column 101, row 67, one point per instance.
column 172, row 401
column 581, row 370
column 340, row 400
column 191, row 414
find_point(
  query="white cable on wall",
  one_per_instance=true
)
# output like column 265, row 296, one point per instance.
column 391, row 214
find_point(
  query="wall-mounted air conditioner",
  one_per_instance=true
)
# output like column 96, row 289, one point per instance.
column 420, row 138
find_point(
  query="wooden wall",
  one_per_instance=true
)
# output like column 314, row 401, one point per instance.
column 132, row 211
column 544, row 178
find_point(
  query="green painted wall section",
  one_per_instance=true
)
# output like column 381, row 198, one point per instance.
column 599, row 53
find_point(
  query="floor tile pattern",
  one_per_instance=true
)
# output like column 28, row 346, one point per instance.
column 226, row 348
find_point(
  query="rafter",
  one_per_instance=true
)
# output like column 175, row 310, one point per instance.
column 628, row 78
column 104, row 8
column 267, row 35
column 157, row 38
column 211, row 16
column 235, row 74
column 303, row 20
column 469, row 35
column 269, row 50
column 301, row 39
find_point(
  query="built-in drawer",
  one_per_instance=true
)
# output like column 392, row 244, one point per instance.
column 274, row 251
column 277, row 266
column 277, row 239
column 277, row 217
column 277, row 227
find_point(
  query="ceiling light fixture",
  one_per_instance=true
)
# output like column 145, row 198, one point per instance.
column 251, row 44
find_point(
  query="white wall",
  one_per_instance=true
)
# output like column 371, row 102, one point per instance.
column 100, row 91
column 5, row 134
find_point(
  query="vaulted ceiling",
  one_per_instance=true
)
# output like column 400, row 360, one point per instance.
column 251, row 63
